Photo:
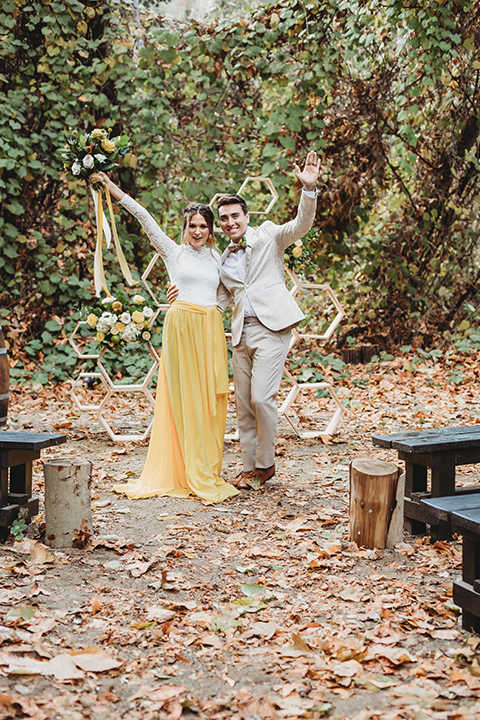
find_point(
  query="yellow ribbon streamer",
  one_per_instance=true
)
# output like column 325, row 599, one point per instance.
column 103, row 228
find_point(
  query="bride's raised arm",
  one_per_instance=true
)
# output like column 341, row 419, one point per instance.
column 164, row 245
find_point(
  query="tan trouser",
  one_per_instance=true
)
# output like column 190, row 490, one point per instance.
column 258, row 362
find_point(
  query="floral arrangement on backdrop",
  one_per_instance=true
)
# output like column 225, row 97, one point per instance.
column 85, row 154
column 119, row 320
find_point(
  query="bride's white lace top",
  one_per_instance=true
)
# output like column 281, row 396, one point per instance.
column 195, row 271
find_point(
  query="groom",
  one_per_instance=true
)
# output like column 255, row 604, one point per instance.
column 253, row 277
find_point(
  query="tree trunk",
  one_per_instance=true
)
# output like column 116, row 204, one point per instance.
column 4, row 381
column 68, row 511
column 373, row 498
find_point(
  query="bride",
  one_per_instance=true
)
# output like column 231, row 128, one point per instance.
column 185, row 452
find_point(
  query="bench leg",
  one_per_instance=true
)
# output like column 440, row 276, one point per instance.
column 443, row 484
column 3, row 486
column 21, row 478
column 470, row 572
column 415, row 481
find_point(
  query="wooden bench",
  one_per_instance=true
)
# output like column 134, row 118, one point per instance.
column 463, row 512
column 440, row 450
column 18, row 450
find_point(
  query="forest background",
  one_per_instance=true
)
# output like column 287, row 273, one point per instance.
column 387, row 92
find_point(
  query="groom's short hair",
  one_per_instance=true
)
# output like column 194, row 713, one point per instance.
column 232, row 200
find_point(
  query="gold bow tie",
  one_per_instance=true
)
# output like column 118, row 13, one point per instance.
column 235, row 247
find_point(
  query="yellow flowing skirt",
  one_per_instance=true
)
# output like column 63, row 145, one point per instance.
column 185, row 452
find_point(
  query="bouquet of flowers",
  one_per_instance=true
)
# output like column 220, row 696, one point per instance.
column 120, row 320
column 84, row 155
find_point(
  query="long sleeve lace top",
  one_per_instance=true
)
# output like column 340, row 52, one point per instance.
column 195, row 271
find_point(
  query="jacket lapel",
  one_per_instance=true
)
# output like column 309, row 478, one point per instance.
column 249, row 237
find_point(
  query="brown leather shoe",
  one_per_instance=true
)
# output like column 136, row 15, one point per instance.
column 240, row 481
column 259, row 477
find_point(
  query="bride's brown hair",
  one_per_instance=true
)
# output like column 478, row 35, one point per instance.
column 206, row 212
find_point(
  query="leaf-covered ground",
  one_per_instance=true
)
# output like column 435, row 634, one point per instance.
column 256, row 608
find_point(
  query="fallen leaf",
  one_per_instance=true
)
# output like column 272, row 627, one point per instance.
column 166, row 692
column 352, row 594
column 62, row 667
column 93, row 659
column 252, row 590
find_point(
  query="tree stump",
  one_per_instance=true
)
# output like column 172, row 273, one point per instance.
column 4, row 381
column 374, row 495
column 68, row 510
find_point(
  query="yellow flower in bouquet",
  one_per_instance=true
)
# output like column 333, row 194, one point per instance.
column 138, row 299
column 108, row 145
column 92, row 320
column 117, row 306
column 99, row 133
column 120, row 326
column 137, row 317
column 146, row 336
column 100, row 337
column 297, row 251
column 115, row 329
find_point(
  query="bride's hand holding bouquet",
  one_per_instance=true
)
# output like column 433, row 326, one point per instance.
column 87, row 157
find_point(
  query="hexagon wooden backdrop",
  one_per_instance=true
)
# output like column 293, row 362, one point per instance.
column 114, row 390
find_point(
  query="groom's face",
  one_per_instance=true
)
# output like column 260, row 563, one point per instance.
column 233, row 221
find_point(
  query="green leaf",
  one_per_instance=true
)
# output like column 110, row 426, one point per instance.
column 253, row 590
column 25, row 612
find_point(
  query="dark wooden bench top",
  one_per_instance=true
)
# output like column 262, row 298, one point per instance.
column 29, row 440
column 444, row 507
column 467, row 520
column 421, row 441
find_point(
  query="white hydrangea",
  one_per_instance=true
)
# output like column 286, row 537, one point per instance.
column 101, row 158
column 130, row 333
column 76, row 168
column 106, row 321
column 107, row 300
column 147, row 312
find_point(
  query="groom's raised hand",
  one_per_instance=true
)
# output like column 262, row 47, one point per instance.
column 309, row 174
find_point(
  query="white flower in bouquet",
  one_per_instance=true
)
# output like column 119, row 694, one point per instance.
column 101, row 158
column 130, row 333
column 138, row 299
column 88, row 162
column 107, row 300
column 125, row 318
column 76, row 168
column 106, row 321
column 147, row 312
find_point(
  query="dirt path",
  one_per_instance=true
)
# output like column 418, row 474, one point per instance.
column 256, row 608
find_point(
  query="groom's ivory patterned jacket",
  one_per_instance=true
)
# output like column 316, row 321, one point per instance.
column 265, row 273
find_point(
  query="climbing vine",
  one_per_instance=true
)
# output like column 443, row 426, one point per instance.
column 389, row 95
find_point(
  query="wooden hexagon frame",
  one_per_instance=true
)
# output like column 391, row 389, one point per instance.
column 73, row 391
column 114, row 389
column 332, row 426
column 160, row 306
column 298, row 286
column 270, row 186
column 71, row 340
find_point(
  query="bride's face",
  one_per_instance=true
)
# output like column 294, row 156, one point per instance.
column 197, row 231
